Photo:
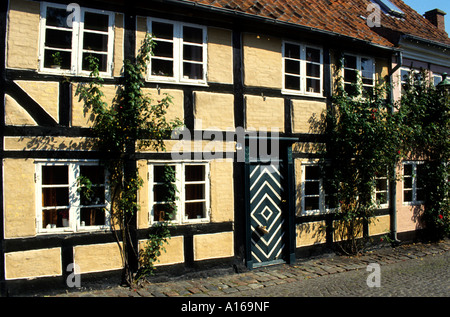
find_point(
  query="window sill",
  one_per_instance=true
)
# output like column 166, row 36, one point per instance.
column 301, row 94
column 176, row 82
column 55, row 72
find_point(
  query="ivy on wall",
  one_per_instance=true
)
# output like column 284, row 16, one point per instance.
column 369, row 137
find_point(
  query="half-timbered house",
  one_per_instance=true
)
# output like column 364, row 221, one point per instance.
column 249, row 79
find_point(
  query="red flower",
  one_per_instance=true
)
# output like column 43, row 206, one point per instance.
column 440, row 216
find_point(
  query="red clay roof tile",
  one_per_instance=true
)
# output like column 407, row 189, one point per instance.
column 338, row 16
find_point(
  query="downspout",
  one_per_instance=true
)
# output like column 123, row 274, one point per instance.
column 393, row 182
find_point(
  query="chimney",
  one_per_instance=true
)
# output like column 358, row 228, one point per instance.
column 436, row 17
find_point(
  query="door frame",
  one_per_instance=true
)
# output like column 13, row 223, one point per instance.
column 285, row 149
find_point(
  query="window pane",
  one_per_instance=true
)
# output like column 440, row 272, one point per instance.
column 292, row 51
column 292, row 82
column 407, row 170
column 58, row 39
column 162, row 30
column 420, row 170
column 351, row 89
column 95, row 42
column 92, row 216
column 163, row 211
column 292, row 67
column 312, row 55
column 193, row 53
column 102, row 61
column 159, row 172
column 312, row 172
column 313, row 85
column 192, row 35
column 313, row 70
column 407, row 195
column 312, row 188
column 52, row 197
column 162, row 68
column 55, row 175
column 49, row 59
column 57, row 17
column 381, row 185
column 95, row 173
column 160, row 193
column 350, row 75
column 192, row 71
column 407, row 182
column 55, row 218
column 95, row 21
column 350, row 61
column 195, row 191
column 94, row 196
column 194, row 210
column 382, row 198
column 163, row 49
column 311, row 203
column 194, row 173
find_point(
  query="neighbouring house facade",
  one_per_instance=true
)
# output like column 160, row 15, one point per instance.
column 244, row 75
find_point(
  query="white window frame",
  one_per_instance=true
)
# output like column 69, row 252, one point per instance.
column 180, row 217
column 359, row 71
column 322, row 195
column 303, row 76
column 438, row 77
column 178, row 53
column 387, row 191
column 414, row 188
column 74, row 197
column 77, row 42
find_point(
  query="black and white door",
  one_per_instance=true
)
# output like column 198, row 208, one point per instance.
column 267, row 215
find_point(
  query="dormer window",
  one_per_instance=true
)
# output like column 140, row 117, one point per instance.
column 389, row 8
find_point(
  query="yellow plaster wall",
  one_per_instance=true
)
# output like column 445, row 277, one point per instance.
column 46, row 143
column 310, row 233
column 341, row 231
column 307, row 116
column 176, row 108
column 15, row 114
column 118, row 45
column 83, row 117
column 174, row 251
column 380, row 225
column 143, row 196
column 212, row 246
column 23, row 34
column 34, row 263
column 264, row 113
column 97, row 257
column 215, row 110
column 262, row 61
column 46, row 94
column 220, row 56
column 19, row 198
column 222, row 197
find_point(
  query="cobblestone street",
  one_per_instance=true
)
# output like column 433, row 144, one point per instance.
column 407, row 270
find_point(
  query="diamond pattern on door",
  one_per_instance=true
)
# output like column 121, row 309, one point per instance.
column 266, row 219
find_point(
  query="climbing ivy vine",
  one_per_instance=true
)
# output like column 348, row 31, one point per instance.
column 133, row 121
column 369, row 137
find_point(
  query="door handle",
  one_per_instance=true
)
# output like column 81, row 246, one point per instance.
column 262, row 229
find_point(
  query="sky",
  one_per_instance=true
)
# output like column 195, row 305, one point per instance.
column 422, row 6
